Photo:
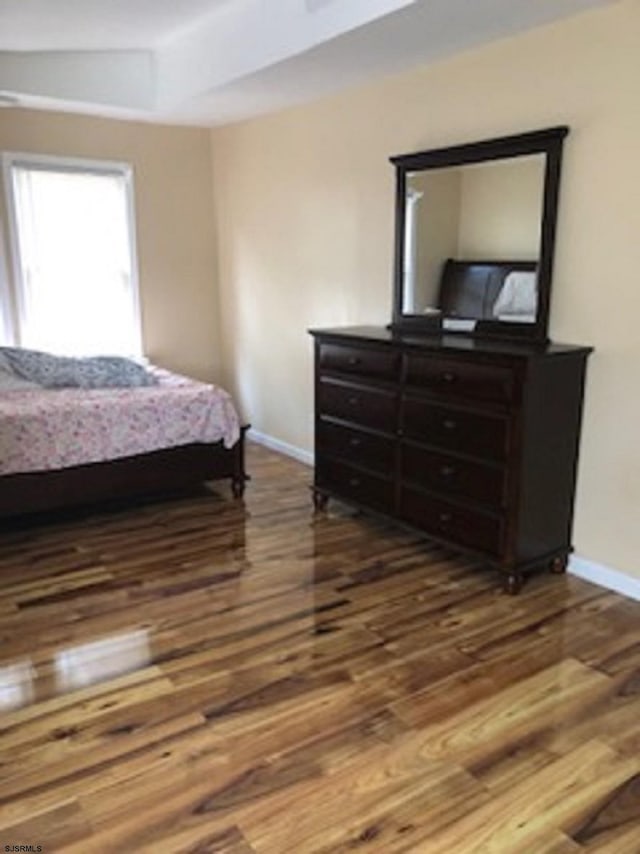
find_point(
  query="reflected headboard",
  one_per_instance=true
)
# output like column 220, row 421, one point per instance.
column 470, row 288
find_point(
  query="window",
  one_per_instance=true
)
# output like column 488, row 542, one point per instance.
column 73, row 288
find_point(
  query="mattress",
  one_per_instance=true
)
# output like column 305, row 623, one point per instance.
column 45, row 429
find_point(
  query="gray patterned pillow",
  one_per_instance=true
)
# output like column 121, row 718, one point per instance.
column 51, row 371
column 9, row 380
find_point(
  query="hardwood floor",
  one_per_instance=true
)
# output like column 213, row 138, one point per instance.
column 211, row 675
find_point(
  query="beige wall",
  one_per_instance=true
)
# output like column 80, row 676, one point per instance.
column 174, row 212
column 305, row 214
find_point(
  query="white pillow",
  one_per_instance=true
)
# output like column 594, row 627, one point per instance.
column 518, row 296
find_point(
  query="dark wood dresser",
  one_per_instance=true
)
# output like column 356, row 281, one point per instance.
column 473, row 442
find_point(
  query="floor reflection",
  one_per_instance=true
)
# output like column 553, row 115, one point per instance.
column 16, row 685
column 22, row 683
column 97, row 661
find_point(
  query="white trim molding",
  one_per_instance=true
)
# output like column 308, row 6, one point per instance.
column 612, row 579
column 596, row 573
column 285, row 448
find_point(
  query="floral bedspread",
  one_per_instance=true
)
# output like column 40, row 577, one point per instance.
column 57, row 428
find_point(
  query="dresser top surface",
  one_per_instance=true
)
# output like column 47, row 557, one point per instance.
column 454, row 343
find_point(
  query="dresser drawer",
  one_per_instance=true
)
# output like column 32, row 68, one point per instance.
column 363, row 361
column 452, row 475
column 368, row 406
column 475, row 433
column 349, row 482
column 456, row 378
column 361, row 449
column 442, row 518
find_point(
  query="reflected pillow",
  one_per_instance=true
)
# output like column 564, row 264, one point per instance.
column 518, row 297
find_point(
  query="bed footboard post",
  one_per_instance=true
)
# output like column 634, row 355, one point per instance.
column 240, row 477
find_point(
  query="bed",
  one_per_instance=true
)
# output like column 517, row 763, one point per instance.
column 66, row 447
column 484, row 290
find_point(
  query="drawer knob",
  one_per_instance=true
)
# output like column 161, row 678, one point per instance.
column 353, row 360
column 447, row 471
column 353, row 401
column 444, row 518
column 354, row 481
column 449, row 424
column 448, row 377
column 354, row 442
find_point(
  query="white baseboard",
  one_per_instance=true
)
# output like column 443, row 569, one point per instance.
column 612, row 579
column 305, row 457
column 597, row 573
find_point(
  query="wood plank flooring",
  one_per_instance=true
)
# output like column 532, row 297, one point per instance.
column 210, row 675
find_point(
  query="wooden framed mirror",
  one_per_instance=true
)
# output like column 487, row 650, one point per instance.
column 475, row 234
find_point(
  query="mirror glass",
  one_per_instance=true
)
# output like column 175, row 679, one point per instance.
column 475, row 236
column 457, row 217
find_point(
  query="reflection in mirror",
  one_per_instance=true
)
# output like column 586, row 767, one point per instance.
column 472, row 237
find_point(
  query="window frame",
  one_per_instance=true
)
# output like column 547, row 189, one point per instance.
column 12, row 288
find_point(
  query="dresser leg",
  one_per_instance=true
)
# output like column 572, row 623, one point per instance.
column 559, row 564
column 512, row 583
column 237, row 486
column 320, row 500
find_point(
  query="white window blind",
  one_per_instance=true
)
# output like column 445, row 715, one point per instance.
column 74, row 268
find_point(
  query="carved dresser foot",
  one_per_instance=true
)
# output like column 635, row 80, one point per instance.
column 512, row 583
column 559, row 564
column 320, row 500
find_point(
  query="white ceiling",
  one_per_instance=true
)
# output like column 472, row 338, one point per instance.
column 209, row 62
column 97, row 24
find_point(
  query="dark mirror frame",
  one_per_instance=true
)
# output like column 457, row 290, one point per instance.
column 548, row 142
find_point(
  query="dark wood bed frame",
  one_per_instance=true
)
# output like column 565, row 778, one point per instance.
column 158, row 472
